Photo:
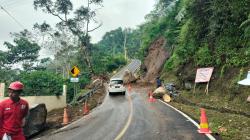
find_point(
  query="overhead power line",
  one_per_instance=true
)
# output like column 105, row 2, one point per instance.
column 15, row 3
column 12, row 17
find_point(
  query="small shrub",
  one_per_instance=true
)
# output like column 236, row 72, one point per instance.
column 203, row 57
column 41, row 83
column 172, row 62
column 222, row 71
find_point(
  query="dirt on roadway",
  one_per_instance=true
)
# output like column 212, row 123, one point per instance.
column 55, row 117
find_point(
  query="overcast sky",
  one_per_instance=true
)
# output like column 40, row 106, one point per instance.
column 114, row 14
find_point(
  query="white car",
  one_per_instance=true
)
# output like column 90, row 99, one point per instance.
column 116, row 86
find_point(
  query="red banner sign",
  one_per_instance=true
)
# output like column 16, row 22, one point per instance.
column 203, row 74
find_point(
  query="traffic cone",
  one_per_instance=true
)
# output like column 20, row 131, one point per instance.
column 151, row 98
column 85, row 108
column 204, row 123
column 65, row 116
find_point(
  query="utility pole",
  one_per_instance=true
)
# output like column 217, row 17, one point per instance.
column 124, row 44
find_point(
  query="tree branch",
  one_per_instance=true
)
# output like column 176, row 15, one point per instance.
column 95, row 28
column 54, row 14
column 65, row 17
column 87, row 26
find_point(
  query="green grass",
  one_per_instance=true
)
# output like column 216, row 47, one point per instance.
column 219, row 100
column 228, row 126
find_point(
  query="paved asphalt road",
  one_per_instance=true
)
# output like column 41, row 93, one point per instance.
column 130, row 117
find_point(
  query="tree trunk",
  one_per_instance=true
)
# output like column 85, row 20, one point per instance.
column 87, row 58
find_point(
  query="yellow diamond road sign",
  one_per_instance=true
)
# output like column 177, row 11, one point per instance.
column 75, row 71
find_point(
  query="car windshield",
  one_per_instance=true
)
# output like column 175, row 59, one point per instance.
column 116, row 82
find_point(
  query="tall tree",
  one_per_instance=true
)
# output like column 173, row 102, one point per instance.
column 114, row 42
column 61, row 42
column 24, row 51
column 2, row 59
column 78, row 25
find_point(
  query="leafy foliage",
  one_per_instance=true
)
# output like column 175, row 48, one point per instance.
column 172, row 62
column 83, row 81
column 211, row 32
column 7, row 75
column 78, row 25
column 115, row 63
column 41, row 83
column 203, row 57
column 24, row 51
column 109, row 53
column 218, row 25
column 164, row 23
column 112, row 42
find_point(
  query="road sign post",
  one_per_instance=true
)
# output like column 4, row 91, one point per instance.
column 75, row 72
column 203, row 75
column 74, row 80
column 75, row 90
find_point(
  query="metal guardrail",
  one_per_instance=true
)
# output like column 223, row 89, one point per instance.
column 86, row 96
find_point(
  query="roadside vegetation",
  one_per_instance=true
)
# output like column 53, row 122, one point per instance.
column 225, row 126
column 198, row 33
column 201, row 33
column 65, row 44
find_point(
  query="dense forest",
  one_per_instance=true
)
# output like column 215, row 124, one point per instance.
column 201, row 32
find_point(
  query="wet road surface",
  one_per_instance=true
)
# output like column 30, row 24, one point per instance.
column 130, row 117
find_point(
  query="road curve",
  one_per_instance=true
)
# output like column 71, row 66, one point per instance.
column 156, row 121
column 129, row 117
column 149, row 121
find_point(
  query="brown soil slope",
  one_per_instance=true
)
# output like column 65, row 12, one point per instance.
column 155, row 60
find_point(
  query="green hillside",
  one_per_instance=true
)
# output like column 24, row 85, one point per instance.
column 206, row 33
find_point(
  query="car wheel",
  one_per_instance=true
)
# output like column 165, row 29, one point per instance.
column 123, row 93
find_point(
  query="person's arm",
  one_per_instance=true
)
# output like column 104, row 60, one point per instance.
column 26, row 110
column 1, row 116
column 25, row 114
column 23, row 122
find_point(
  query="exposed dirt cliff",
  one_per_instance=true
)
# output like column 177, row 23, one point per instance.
column 155, row 60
